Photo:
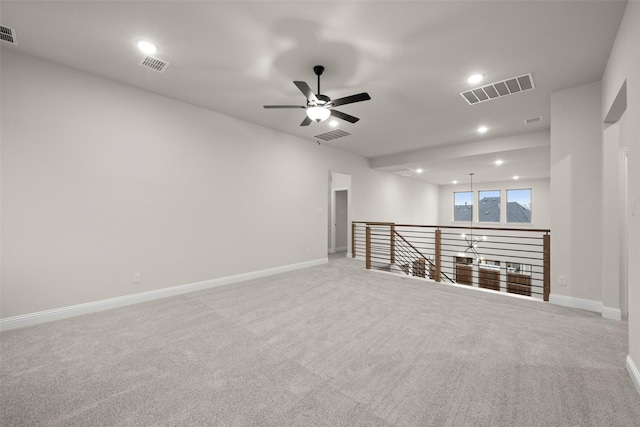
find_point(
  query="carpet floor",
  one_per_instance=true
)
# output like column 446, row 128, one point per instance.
column 332, row 345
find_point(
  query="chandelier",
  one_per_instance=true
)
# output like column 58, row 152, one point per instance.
column 472, row 241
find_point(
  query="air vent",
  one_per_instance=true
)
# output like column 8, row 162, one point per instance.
column 8, row 35
column 331, row 135
column 499, row 89
column 533, row 120
column 154, row 63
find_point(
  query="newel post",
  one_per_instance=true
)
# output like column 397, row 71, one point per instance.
column 368, row 247
column 392, row 243
column 353, row 240
column 438, row 255
column 546, row 251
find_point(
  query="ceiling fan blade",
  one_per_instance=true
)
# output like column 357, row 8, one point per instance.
column 306, row 90
column 284, row 106
column 306, row 122
column 364, row 96
column 343, row 116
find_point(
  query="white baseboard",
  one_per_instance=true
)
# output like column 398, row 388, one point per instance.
column 341, row 249
column 95, row 306
column 611, row 313
column 573, row 302
column 633, row 373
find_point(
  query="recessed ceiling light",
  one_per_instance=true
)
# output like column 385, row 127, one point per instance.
column 475, row 78
column 516, row 177
column 418, row 170
column 454, row 182
column 333, row 123
column 499, row 162
column 482, row 129
column 146, row 47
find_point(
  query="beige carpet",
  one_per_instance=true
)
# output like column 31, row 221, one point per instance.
column 327, row 346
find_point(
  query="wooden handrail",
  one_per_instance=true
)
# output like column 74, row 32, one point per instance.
column 533, row 230
column 461, row 227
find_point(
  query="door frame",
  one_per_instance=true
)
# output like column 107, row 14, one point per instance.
column 624, row 229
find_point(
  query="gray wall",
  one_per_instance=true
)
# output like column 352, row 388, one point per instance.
column 101, row 180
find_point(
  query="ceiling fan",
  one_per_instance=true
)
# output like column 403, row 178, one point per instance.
column 319, row 107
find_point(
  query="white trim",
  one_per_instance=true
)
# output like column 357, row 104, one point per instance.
column 611, row 313
column 332, row 218
column 106, row 304
column 633, row 373
column 341, row 249
column 573, row 302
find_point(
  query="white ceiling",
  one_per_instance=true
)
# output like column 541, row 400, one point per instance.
column 412, row 57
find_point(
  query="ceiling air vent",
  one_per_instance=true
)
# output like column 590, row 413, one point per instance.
column 499, row 89
column 8, row 35
column 154, row 63
column 331, row 135
column 532, row 120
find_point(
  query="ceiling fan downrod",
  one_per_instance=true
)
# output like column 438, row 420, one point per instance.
column 318, row 69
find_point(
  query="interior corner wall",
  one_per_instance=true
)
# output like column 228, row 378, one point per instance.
column 576, row 133
column 101, row 180
column 624, row 65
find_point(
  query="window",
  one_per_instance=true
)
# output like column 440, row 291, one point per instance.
column 489, row 206
column 517, row 268
column 519, row 205
column 463, row 206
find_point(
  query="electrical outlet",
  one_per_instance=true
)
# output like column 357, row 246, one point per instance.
column 562, row 280
column 137, row 278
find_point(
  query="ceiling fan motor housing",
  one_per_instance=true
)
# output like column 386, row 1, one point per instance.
column 322, row 100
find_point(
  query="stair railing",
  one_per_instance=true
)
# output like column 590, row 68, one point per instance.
column 510, row 260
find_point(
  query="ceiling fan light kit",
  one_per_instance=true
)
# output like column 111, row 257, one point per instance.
column 318, row 114
column 319, row 107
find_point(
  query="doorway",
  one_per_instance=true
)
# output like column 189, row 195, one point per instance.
column 614, row 122
column 340, row 225
column 624, row 243
column 339, row 209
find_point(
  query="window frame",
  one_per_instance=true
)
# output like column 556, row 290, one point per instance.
column 530, row 205
column 499, row 221
column 454, row 206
